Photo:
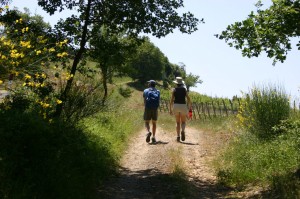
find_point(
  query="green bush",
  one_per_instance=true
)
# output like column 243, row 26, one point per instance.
column 125, row 91
column 263, row 108
column 42, row 160
column 84, row 99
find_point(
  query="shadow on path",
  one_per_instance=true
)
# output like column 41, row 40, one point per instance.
column 188, row 143
column 148, row 184
column 158, row 142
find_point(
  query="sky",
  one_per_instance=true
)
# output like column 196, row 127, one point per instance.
column 223, row 70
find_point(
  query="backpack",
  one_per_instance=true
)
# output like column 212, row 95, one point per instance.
column 152, row 98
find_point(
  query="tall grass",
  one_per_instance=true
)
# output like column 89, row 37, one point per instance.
column 262, row 108
column 266, row 149
column 115, row 127
column 250, row 160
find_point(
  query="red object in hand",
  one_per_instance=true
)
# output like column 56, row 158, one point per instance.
column 190, row 113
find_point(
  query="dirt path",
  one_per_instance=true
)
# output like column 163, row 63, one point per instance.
column 146, row 169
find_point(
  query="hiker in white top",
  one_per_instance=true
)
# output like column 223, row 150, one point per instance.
column 178, row 107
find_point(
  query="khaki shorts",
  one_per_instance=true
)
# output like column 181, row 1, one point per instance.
column 150, row 114
column 180, row 108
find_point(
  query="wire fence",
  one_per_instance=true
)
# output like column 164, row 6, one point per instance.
column 213, row 109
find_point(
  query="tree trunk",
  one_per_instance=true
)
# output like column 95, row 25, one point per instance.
column 76, row 60
column 104, row 71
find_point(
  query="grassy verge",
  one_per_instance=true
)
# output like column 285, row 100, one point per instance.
column 63, row 160
column 272, row 164
column 115, row 127
column 217, row 124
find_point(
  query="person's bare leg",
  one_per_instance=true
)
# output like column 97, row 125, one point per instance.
column 183, row 123
column 177, row 116
column 153, row 127
column 147, row 125
column 183, row 118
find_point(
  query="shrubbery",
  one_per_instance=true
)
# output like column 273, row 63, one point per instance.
column 42, row 160
column 263, row 108
column 266, row 150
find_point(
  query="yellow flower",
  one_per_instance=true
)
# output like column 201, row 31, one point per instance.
column 1, row 82
column 44, row 75
column 6, row 7
column 38, row 52
column 37, row 85
column 58, row 101
column 30, row 84
column 27, row 76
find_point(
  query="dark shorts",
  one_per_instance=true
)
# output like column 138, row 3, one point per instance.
column 150, row 114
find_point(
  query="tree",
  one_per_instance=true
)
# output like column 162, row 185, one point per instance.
column 110, row 51
column 268, row 30
column 148, row 63
column 158, row 17
column 178, row 71
column 192, row 81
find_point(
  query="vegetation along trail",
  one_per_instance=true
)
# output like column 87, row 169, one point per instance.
column 168, row 169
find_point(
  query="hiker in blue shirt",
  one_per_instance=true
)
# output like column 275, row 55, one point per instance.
column 151, row 101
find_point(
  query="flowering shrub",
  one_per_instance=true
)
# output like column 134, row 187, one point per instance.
column 27, row 57
column 263, row 108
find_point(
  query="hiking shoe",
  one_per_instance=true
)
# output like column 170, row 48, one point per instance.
column 182, row 135
column 153, row 140
column 178, row 138
column 148, row 137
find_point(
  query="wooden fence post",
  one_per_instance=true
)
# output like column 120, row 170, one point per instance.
column 197, row 108
column 214, row 109
column 231, row 105
column 208, row 112
column 225, row 107
column 203, row 110
column 220, row 110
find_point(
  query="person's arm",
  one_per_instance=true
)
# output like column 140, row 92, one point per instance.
column 144, row 98
column 171, row 103
column 188, row 100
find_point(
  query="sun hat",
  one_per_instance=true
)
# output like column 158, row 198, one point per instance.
column 151, row 82
column 178, row 80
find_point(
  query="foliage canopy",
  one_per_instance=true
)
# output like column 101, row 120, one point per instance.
column 268, row 30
